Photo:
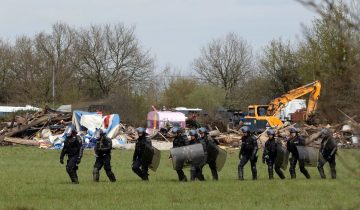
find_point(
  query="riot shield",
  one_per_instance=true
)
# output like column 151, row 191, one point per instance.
column 148, row 154
column 282, row 157
column 192, row 154
column 155, row 159
column 221, row 158
column 309, row 155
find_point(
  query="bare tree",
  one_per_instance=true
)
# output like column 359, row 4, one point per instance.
column 225, row 63
column 27, row 79
column 112, row 56
column 5, row 63
column 56, row 51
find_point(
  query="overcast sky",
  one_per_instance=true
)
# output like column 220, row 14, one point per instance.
column 174, row 30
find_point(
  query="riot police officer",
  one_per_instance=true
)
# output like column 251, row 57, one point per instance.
column 140, row 165
column 249, row 148
column 296, row 140
column 195, row 170
column 210, row 145
column 103, row 156
column 180, row 140
column 270, row 153
column 73, row 149
column 328, row 150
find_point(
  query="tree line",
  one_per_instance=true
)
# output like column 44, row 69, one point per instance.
column 107, row 63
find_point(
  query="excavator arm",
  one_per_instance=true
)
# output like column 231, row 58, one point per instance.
column 278, row 103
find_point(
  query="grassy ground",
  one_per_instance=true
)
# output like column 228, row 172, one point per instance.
column 32, row 178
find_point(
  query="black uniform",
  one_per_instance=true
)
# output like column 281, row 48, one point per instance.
column 249, row 148
column 291, row 147
column 73, row 149
column 269, row 156
column 196, row 171
column 211, row 152
column 103, row 157
column 140, row 164
column 327, row 150
column 180, row 141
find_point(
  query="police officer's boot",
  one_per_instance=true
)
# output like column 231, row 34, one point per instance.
column 74, row 177
column 145, row 177
column 192, row 174
column 254, row 173
column 292, row 173
column 181, row 176
column 321, row 172
column 333, row 173
column 271, row 172
column 200, row 175
column 137, row 171
column 111, row 176
column 279, row 172
column 241, row 173
column 96, row 175
column 214, row 174
column 305, row 172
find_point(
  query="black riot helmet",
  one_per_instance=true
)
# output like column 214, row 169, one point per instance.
column 271, row 132
column 69, row 131
column 245, row 129
column 325, row 132
column 98, row 133
column 203, row 130
column 141, row 130
column 293, row 130
column 192, row 132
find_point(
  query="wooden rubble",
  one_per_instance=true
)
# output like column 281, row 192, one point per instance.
column 229, row 139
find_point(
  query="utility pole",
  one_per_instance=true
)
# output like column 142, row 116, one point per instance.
column 53, row 87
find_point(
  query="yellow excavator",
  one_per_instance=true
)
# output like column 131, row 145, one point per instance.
column 261, row 116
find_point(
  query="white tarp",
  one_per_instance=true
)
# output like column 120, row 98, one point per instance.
column 91, row 122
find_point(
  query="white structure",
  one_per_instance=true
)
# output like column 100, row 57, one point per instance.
column 292, row 107
column 4, row 110
column 158, row 119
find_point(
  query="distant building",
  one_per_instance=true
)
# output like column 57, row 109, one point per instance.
column 5, row 110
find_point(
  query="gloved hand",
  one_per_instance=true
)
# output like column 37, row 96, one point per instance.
column 61, row 161
column 78, row 161
column 329, row 157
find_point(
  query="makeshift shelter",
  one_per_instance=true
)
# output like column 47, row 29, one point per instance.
column 90, row 121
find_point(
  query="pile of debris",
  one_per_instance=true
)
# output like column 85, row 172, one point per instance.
column 45, row 129
column 24, row 129
column 347, row 135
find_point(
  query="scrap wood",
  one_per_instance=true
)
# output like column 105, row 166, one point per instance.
column 214, row 133
column 38, row 121
column 350, row 118
column 235, row 131
column 163, row 137
column 21, row 141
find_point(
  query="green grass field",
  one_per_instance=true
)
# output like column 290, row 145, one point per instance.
column 33, row 179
